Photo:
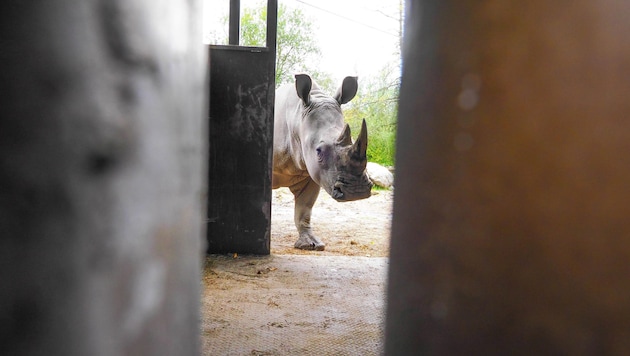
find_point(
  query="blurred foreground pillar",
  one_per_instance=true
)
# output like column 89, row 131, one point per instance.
column 510, row 231
column 102, row 166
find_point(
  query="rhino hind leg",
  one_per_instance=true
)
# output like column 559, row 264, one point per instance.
column 305, row 194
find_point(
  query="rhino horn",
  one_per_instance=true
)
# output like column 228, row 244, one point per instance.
column 359, row 149
column 345, row 139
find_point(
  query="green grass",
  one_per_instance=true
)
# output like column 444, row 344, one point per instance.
column 382, row 147
column 377, row 188
column 377, row 103
column 381, row 140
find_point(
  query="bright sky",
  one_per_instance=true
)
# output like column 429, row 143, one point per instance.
column 356, row 37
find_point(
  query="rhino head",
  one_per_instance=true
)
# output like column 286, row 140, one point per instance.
column 333, row 161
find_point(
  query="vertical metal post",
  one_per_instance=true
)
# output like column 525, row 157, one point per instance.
column 272, row 30
column 272, row 25
column 235, row 22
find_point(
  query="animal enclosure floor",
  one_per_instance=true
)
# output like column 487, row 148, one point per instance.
column 293, row 305
column 355, row 228
column 298, row 302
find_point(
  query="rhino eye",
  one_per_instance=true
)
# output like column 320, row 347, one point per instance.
column 319, row 154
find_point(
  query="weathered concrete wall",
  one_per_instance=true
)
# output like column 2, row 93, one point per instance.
column 510, row 231
column 102, row 166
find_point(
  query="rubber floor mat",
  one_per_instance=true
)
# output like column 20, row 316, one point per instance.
column 293, row 305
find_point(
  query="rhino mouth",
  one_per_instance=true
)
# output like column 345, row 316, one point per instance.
column 342, row 191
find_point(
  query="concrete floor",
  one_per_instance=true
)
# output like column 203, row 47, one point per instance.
column 293, row 305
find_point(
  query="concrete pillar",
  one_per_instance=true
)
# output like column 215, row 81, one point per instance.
column 102, row 170
column 510, row 231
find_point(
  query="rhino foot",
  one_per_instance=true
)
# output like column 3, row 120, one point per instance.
column 309, row 242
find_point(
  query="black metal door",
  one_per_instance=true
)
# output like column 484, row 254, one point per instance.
column 242, row 86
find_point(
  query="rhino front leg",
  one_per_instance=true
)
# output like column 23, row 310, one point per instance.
column 305, row 194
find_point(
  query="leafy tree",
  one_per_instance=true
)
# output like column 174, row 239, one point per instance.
column 377, row 102
column 295, row 44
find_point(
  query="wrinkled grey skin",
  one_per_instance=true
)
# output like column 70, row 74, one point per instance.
column 312, row 147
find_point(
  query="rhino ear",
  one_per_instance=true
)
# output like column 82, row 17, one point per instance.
column 345, row 139
column 303, row 84
column 347, row 91
column 359, row 149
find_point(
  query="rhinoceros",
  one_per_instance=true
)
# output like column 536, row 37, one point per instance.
column 313, row 148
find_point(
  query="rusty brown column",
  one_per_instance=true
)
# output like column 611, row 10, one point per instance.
column 102, row 169
column 511, row 232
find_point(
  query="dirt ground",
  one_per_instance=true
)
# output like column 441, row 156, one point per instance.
column 296, row 302
column 293, row 305
column 357, row 228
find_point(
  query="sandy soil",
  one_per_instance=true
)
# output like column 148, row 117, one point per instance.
column 357, row 228
column 297, row 302
column 293, row 305
column 320, row 303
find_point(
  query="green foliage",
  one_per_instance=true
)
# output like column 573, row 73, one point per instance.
column 296, row 47
column 377, row 102
column 253, row 30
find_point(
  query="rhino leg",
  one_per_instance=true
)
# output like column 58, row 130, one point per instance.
column 305, row 194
